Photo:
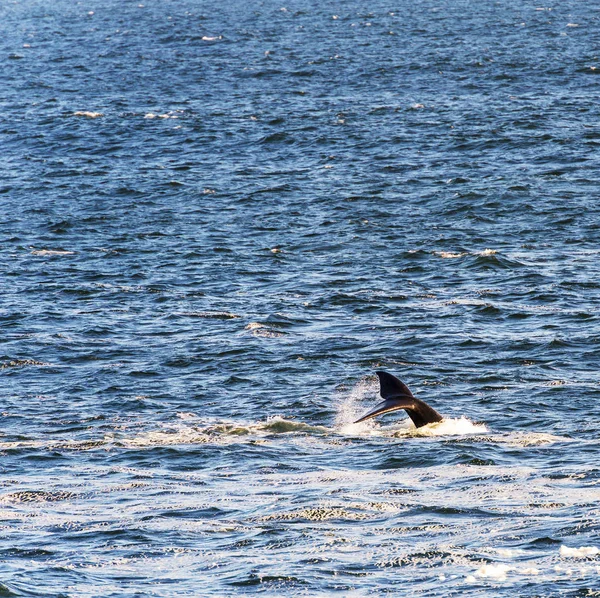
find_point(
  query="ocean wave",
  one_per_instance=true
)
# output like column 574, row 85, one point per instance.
column 222, row 432
column 578, row 553
column 192, row 430
column 526, row 439
column 228, row 432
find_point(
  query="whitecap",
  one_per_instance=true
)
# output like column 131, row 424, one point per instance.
column 529, row 571
column 151, row 115
column 51, row 252
column 497, row 572
column 448, row 254
column 578, row 553
column 219, row 432
column 88, row 114
column 186, row 415
column 525, row 439
column 165, row 438
column 508, row 552
column 262, row 330
column 279, row 425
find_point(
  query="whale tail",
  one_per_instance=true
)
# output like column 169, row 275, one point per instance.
column 396, row 395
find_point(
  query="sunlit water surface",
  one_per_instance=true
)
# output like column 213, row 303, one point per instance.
column 218, row 220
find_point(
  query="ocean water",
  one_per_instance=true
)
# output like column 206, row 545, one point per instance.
column 219, row 219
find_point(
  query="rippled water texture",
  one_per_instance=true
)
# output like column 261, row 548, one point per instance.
column 219, row 219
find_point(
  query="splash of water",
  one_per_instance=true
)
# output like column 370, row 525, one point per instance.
column 349, row 409
column 450, row 427
column 349, row 406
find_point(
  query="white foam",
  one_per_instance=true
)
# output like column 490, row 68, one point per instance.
column 186, row 415
column 451, row 427
column 262, row 330
column 461, row 426
column 153, row 115
column 578, row 553
column 509, row 552
column 51, row 252
column 523, row 439
column 88, row 114
column 221, row 432
column 278, row 424
column 529, row 571
column 497, row 572
column 448, row 254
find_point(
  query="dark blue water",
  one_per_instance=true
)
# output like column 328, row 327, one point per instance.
column 217, row 220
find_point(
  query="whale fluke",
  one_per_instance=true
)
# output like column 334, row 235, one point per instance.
column 396, row 395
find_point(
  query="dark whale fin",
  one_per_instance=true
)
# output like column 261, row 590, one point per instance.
column 396, row 395
column 390, row 387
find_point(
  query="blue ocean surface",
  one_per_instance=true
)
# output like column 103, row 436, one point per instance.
column 218, row 220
